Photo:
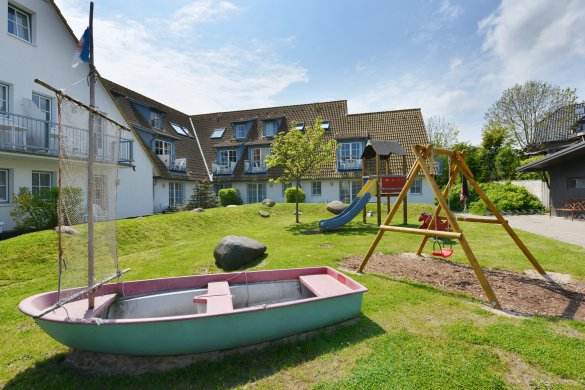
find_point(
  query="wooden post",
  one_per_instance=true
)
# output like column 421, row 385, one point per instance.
column 90, row 162
column 378, row 200
column 405, row 204
column 364, row 211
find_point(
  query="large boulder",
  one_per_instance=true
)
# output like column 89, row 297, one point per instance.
column 268, row 202
column 233, row 252
column 336, row 207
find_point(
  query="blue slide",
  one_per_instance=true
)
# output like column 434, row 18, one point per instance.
column 351, row 211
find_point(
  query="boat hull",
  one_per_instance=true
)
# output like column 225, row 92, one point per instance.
column 205, row 332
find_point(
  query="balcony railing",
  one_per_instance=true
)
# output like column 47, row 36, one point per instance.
column 254, row 166
column 178, row 164
column 349, row 163
column 223, row 168
column 25, row 134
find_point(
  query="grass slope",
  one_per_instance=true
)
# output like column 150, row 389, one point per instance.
column 408, row 336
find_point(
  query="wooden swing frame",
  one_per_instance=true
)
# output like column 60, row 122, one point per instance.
column 424, row 153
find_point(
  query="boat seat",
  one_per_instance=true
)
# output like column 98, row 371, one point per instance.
column 218, row 298
column 323, row 285
column 78, row 309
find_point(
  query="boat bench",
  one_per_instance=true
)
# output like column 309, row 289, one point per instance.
column 218, row 298
column 323, row 285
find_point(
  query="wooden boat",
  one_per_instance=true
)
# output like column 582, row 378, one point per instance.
column 193, row 314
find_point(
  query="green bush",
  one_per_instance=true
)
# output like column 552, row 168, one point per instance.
column 291, row 195
column 530, row 175
column 35, row 212
column 229, row 196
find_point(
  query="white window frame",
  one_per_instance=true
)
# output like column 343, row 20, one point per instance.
column 261, row 152
column 254, row 192
column 416, row 188
column 358, row 146
column 156, row 119
column 316, row 188
column 4, row 100
column 227, row 156
column 37, row 98
column 100, row 191
column 5, row 188
column 240, row 127
column 354, row 187
column 273, row 128
column 176, row 193
column 28, row 28
column 35, row 189
column 162, row 148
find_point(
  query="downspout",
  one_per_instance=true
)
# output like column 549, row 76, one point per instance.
column 201, row 151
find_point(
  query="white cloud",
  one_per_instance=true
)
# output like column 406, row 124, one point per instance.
column 445, row 14
column 448, row 11
column 534, row 38
column 455, row 63
column 199, row 11
column 191, row 79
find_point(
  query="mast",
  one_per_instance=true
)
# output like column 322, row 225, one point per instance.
column 90, row 162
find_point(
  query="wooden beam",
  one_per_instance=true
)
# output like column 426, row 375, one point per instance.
column 422, row 232
column 378, row 198
column 479, row 219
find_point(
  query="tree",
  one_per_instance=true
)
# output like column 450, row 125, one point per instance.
column 301, row 153
column 203, row 197
column 495, row 136
column 506, row 163
column 522, row 107
column 473, row 160
column 442, row 134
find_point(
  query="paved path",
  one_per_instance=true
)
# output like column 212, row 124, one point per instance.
column 560, row 229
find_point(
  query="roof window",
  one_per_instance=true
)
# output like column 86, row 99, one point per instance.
column 180, row 129
column 300, row 126
column 217, row 133
column 325, row 125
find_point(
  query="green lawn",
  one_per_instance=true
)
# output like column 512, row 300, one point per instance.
column 408, row 336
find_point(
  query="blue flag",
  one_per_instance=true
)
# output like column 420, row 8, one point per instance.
column 82, row 49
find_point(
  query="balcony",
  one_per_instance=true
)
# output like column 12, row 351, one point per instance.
column 349, row 163
column 24, row 134
column 177, row 164
column 255, row 166
column 223, row 168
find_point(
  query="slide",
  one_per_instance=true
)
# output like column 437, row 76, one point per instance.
column 356, row 206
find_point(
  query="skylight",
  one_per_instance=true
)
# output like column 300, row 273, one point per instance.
column 300, row 126
column 180, row 129
column 217, row 133
column 325, row 125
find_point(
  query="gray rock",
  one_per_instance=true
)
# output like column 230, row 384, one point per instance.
column 198, row 210
column 232, row 205
column 233, row 252
column 336, row 207
column 263, row 214
column 66, row 230
column 268, row 202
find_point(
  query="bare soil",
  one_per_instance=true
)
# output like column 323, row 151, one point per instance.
column 521, row 293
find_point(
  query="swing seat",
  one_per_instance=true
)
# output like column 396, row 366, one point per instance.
column 444, row 253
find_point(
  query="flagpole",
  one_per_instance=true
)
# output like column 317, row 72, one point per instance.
column 90, row 162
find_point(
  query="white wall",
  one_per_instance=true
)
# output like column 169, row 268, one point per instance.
column 537, row 188
column 49, row 58
column 160, row 191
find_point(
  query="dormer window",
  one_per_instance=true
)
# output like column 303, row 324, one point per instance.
column 240, row 130
column 156, row 119
column 271, row 127
column 300, row 126
column 325, row 125
column 162, row 148
column 19, row 24
column 217, row 133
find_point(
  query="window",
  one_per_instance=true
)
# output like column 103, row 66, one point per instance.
column 176, row 197
column 100, row 192
column 270, row 128
column 256, row 192
column 227, row 156
column 351, row 150
column 221, row 186
column 44, row 104
column 316, row 188
column 162, row 147
column 4, row 186
column 240, row 130
column 348, row 189
column 325, row 125
column 19, row 24
column 576, row 182
column 217, row 133
column 416, row 188
column 260, row 154
column 3, row 98
column 180, row 129
column 41, row 181
column 156, row 119
column 300, row 126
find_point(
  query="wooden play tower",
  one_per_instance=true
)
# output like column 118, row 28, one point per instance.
column 424, row 162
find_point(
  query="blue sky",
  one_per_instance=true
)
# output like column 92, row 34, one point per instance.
column 449, row 58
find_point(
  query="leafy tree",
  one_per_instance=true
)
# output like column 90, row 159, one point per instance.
column 506, row 163
column 301, row 153
column 203, row 197
column 473, row 160
column 442, row 134
column 532, row 175
column 495, row 136
column 522, row 107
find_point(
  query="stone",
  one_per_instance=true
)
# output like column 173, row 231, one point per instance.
column 66, row 230
column 336, row 207
column 198, row 210
column 263, row 214
column 234, row 252
column 268, row 202
column 232, row 205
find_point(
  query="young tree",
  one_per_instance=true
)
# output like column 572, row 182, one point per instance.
column 495, row 136
column 203, row 197
column 522, row 107
column 507, row 161
column 301, row 153
column 442, row 134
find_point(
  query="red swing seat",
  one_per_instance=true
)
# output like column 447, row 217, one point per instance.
column 444, row 253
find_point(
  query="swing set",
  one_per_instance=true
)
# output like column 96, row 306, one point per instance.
column 447, row 228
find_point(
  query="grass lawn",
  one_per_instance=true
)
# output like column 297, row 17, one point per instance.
column 408, row 336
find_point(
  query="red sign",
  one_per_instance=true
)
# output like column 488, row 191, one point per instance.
column 392, row 185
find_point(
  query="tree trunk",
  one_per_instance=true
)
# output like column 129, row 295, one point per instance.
column 297, row 203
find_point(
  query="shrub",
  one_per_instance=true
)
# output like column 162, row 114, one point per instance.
column 530, row 175
column 35, row 212
column 203, row 197
column 291, row 195
column 229, row 196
